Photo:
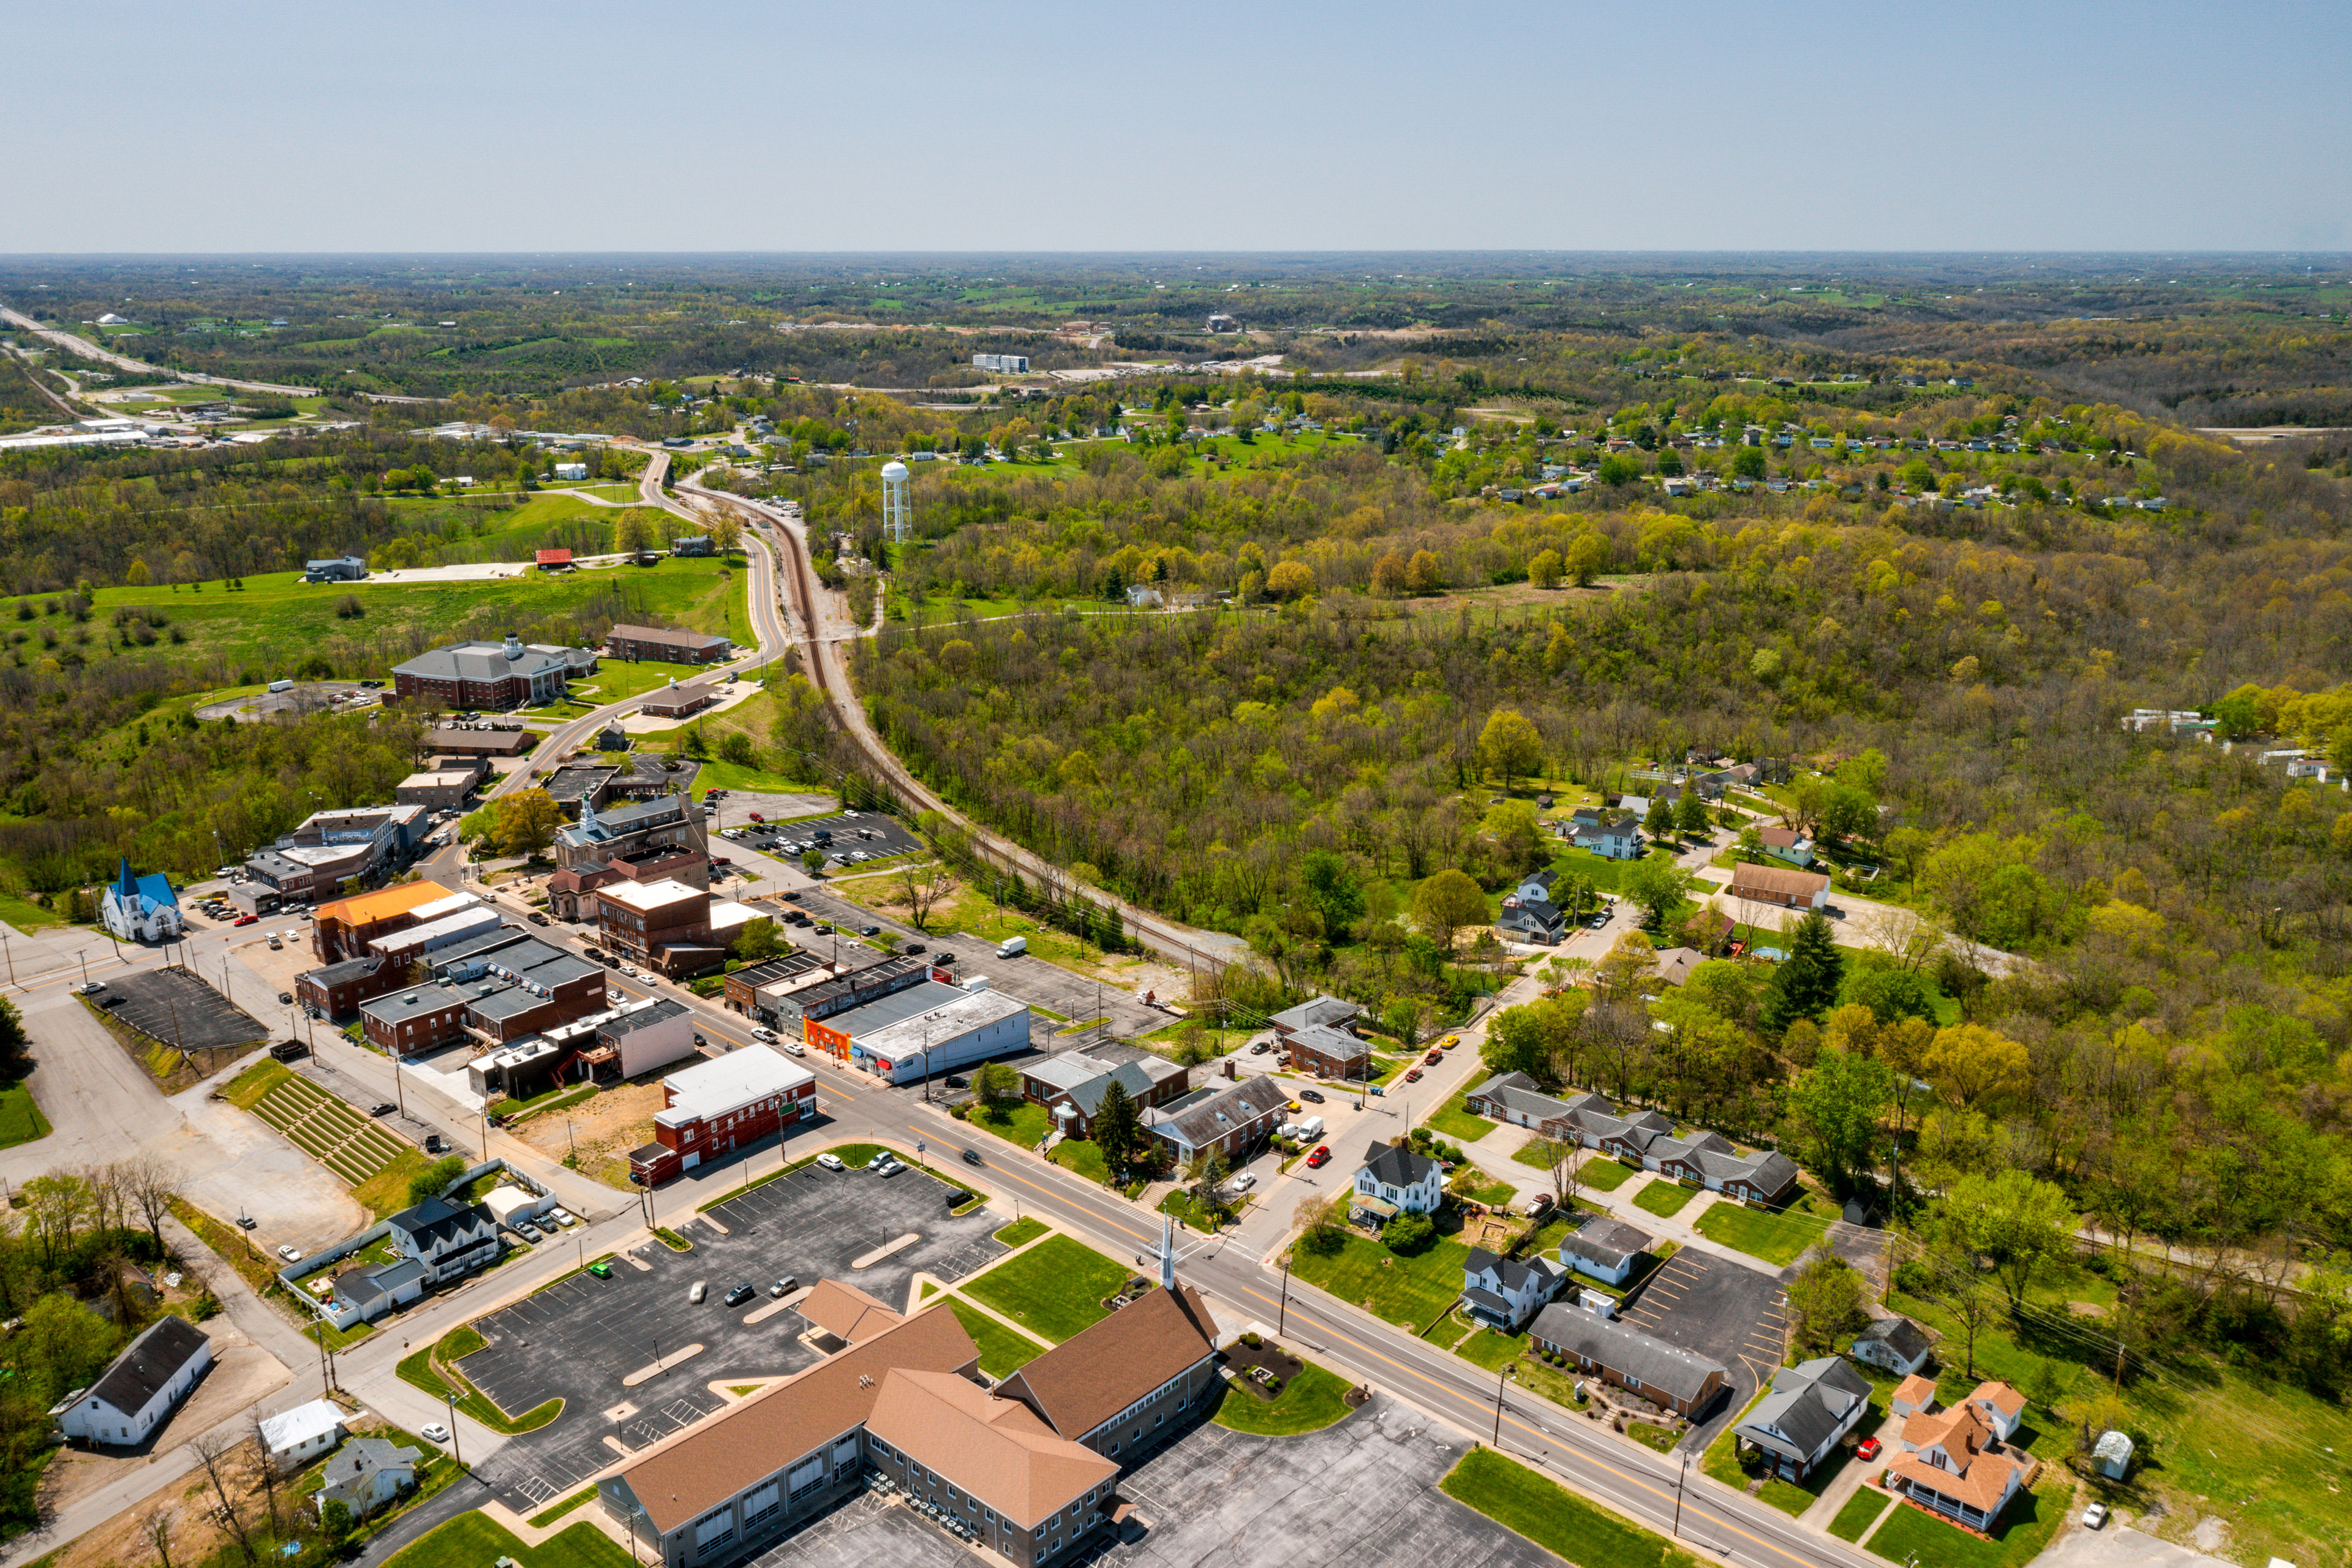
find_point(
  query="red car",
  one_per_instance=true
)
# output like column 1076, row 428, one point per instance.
column 1321, row 1156
column 246, row 920
column 1413, row 1075
column 1866, row 1450
column 1432, row 1058
column 757, row 817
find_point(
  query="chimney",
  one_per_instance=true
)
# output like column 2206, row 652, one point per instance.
column 514, row 645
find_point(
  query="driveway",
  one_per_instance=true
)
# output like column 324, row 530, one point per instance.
column 1721, row 1310
column 579, row 1339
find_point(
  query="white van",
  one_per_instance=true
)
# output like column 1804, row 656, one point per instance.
column 1311, row 1129
column 1013, row 947
column 281, row 686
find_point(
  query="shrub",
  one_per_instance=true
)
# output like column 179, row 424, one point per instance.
column 1410, row 1233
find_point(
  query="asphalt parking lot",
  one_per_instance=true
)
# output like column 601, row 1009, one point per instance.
column 1362, row 1491
column 1043, row 985
column 578, row 1338
column 174, row 1006
column 849, row 836
column 1726, row 1312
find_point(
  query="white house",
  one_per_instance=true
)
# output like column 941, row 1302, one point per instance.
column 142, row 909
column 1812, row 1405
column 447, row 1240
column 297, row 1435
column 1956, row 1463
column 139, row 1388
column 571, row 471
column 1605, row 1249
column 1894, row 1344
column 1395, row 1180
column 1505, row 1292
column 366, row 1474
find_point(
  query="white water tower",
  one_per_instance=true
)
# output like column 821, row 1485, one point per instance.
column 897, row 518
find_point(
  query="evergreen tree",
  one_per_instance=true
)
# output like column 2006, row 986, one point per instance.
column 1806, row 984
column 1117, row 1129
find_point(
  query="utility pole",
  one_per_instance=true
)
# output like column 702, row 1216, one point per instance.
column 455, row 1452
column 1282, row 1319
column 1681, row 1479
column 1508, row 1371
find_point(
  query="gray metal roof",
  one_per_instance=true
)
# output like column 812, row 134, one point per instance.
column 1626, row 1351
column 148, row 1362
column 1211, row 1112
column 1324, row 1010
column 1809, row 1404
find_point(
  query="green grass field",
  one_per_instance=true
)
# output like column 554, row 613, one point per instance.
column 21, row 1120
column 1664, row 1198
column 1910, row 1537
column 1002, row 1352
column 1458, row 1124
column 1021, row 1232
column 1778, row 1238
column 1599, row 1174
column 471, row 1541
column 1308, row 1402
column 1408, row 1291
column 1858, row 1513
column 276, row 620
column 1055, row 1289
column 25, row 915
column 1555, row 1518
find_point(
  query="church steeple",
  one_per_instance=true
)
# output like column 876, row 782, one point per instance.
column 1167, row 1253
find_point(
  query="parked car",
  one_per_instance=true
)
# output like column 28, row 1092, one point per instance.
column 1867, row 1449
column 869, row 931
column 600, row 1269
column 831, row 1162
column 2093, row 1517
column 93, row 987
column 383, row 1108
column 432, row 1144
column 285, row 998
column 785, row 1285
column 701, row 1289
column 529, row 1231
column 1320, row 1158
column 290, row 1253
column 1412, row 1074
column 795, row 1048
column 911, row 948
column 434, row 1432
column 764, row 1034
column 563, row 1217
column 740, row 1294
column 1260, row 1049
column 1244, row 1181
column 536, row 917
column 1310, row 1094
column 246, row 920
column 1432, row 1058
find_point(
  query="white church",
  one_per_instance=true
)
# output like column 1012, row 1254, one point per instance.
column 142, row 909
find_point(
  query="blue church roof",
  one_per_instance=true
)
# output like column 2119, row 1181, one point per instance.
column 156, row 888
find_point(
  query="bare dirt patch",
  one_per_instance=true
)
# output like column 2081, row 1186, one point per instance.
column 601, row 1131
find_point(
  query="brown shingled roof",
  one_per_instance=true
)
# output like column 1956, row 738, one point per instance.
column 1087, row 1379
column 996, row 1449
column 1783, row 881
column 710, row 1462
column 847, row 1312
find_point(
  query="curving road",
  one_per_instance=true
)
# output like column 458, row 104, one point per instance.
column 88, row 350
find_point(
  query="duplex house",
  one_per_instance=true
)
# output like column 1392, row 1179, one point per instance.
column 1232, row 1118
column 1782, row 886
column 1957, row 1463
column 1894, row 1344
column 1607, row 1249
column 139, row 1389
column 1505, row 1292
column 1326, row 1051
column 446, row 1239
column 1681, row 1380
column 1812, row 1405
column 1613, row 832
column 1395, row 1180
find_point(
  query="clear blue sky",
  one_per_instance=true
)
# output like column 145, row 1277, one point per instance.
column 424, row 125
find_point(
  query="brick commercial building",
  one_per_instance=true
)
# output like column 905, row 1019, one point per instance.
column 479, row 742
column 1071, row 1086
column 1681, row 1380
column 718, row 1106
column 675, row 701
column 441, row 790
column 665, row 645
column 343, row 929
column 791, row 1004
column 643, row 841
column 333, row 851
column 1233, row 1118
column 1028, row 1472
column 1323, row 1051
column 743, row 985
column 1784, row 886
column 492, row 675
column 336, row 991
column 491, row 990
column 668, row 925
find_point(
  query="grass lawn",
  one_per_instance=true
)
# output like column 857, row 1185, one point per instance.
column 1023, row 1122
column 1778, row 1238
column 386, row 1193
column 1084, row 1157
column 1910, row 1536
column 1859, row 1511
column 1055, row 1289
column 1488, row 1190
column 1021, row 1232
column 21, row 1120
column 418, row 1371
column 1458, row 1124
column 1601, row 1175
column 1554, row 1517
column 1308, row 1402
column 26, row 915
column 1663, row 1198
column 470, row 1540
column 245, row 1089
column 1409, row 1291
column 1002, row 1352
column 548, row 1516
column 716, row 773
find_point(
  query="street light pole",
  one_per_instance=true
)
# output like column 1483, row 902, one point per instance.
column 455, row 1450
